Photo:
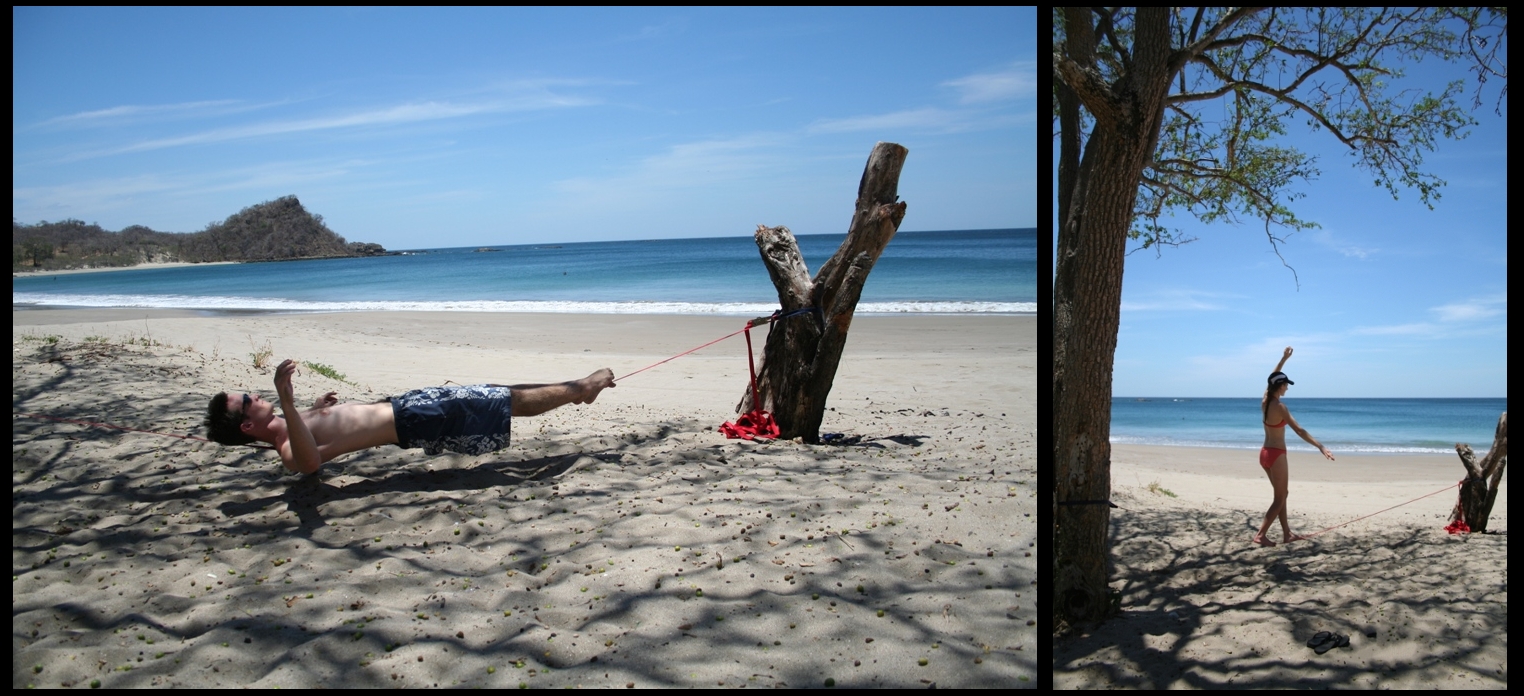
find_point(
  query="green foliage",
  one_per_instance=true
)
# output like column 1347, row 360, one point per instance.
column 36, row 250
column 1235, row 89
column 64, row 244
column 326, row 371
column 270, row 231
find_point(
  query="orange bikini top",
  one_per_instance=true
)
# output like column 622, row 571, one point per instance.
column 1281, row 424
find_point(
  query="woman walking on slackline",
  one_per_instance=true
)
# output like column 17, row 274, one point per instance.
column 1272, row 456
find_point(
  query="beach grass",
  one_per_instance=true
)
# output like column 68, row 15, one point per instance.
column 261, row 354
column 327, row 371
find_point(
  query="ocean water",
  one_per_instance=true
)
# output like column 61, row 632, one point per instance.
column 959, row 272
column 1371, row 426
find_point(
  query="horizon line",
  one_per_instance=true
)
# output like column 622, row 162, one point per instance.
column 1312, row 397
column 723, row 236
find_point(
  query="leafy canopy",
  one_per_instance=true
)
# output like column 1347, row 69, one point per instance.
column 1243, row 72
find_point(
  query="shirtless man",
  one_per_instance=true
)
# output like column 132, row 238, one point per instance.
column 470, row 420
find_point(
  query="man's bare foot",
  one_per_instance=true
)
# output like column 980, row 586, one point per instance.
column 593, row 384
column 1292, row 537
column 1262, row 541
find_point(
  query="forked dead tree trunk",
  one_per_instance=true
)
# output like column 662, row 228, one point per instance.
column 799, row 362
column 1481, row 487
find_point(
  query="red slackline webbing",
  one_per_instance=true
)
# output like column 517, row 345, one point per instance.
column 1357, row 519
column 757, row 409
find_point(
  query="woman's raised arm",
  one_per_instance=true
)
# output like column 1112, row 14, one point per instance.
column 1284, row 358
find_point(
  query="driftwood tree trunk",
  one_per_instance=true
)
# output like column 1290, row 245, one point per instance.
column 799, row 362
column 1481, row 487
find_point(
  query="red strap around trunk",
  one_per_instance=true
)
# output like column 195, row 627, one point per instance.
column 756, row 423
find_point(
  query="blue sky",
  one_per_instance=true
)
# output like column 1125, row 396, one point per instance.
column 431, row 128
column 1396, row 300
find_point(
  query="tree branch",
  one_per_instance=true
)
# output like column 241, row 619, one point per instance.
column 1283, row 96
column 1090, row 87
column 1165, row 184
column 1105, row 28
column 1197, row 47
column 1277, row 250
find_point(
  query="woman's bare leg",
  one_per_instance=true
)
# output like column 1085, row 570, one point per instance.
column 535, row 399
column 1278, row 476
column 1280, row 473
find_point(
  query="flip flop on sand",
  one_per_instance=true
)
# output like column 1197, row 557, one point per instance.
column 1320, row 637
column 1327, row 642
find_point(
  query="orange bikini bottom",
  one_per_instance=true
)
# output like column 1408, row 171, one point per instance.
column 1268, row 455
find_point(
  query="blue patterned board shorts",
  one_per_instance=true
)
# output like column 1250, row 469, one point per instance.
column 468, row 420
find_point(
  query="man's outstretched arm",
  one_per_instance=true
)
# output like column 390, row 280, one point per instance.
column 301, row 452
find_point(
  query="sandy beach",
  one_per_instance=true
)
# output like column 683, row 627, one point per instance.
column 621, row 543
column 1204, row 608
column 108, row 269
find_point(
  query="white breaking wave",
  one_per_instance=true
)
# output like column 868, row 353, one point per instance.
column 1345, row 448
column 559, row 307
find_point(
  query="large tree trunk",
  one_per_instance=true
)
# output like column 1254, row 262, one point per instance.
column 1097, row 200
column 799, row 362
column 1480, row 490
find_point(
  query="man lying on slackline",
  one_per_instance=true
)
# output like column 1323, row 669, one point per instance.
column 469, row 420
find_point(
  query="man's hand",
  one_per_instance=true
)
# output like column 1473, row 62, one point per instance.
column 328, row 399
column 283, row 382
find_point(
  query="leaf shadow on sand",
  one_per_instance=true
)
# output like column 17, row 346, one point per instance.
column 1184, row 605
column 299, row 565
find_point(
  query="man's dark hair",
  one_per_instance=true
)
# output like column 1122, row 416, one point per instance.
column 222, row 424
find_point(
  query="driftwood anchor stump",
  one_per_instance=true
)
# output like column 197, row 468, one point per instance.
column 800, row 359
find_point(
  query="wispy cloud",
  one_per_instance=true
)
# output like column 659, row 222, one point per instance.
column 1176, row 300
column 414, row 112
column 1468, row 311
column 118, row 114
column 1329, row 239
column 979, row 94
column 94, row 195
column 1415, row 329
column 1017, row 81
column 927, row 118
column 405, row 113
column 669, row 28
column 1259, row 357
column 1473, row 309
column 697, row 163
column 104, row 195
column 721, row 185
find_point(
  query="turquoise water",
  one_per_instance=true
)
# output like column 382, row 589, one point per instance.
column 968, row 271
column 1410, row 426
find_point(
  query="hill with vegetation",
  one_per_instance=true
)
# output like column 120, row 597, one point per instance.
column 271, row 231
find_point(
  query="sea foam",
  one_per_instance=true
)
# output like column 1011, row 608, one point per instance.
column 234, row 303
